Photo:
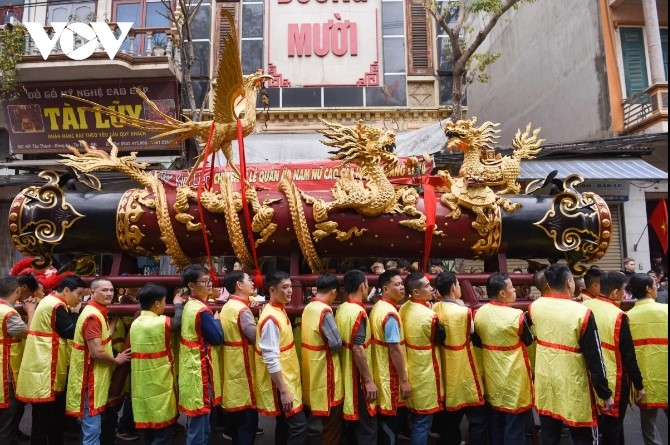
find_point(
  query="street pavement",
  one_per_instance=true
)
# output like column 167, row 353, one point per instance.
column 631, row 425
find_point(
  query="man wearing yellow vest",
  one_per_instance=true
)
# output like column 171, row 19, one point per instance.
column 360, row 391
column 422, row 332
column 649, row 328
column 388, row 355
column 92, row 363
column 239, row 332
column 278, row 388
column 154, row 401
column 41, row 379
column 618, row 354
column 508, row 386
column 199, row 373
column 567, row 358
column 461, row 372
column 12, row 331
column 322, row 390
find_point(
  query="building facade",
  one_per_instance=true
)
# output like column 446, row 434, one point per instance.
column 591, row 71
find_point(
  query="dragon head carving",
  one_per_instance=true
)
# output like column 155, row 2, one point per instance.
column 464, row 134
column 364, row 145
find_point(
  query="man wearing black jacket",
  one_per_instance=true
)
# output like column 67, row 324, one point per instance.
column 618, row 354
column 568, row 362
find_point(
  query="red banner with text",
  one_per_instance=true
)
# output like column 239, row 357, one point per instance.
column 311, row 175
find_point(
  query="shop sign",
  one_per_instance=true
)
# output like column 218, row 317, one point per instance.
column 320, row 42
column 613, row 191
column 42, row 121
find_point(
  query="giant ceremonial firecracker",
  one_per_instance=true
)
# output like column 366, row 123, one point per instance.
column 362, row 211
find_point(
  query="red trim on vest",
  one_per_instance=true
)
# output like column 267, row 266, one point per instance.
column 547, row 344
column 650, row 341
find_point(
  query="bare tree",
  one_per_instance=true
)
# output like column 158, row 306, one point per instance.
column 456, row 18
column 182, row 39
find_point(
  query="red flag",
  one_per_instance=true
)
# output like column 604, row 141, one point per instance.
column 659, row 222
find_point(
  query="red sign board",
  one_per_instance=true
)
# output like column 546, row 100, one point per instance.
column 42, row 121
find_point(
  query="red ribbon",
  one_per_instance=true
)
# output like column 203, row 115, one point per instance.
column 258, row 277
column 212, row 272
column 430, row 208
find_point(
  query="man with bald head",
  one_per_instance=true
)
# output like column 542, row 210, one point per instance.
column 92, row 363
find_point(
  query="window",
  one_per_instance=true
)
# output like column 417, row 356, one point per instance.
column 633, row 52
column 59, row 11
column 419, row 39
column 143, row 14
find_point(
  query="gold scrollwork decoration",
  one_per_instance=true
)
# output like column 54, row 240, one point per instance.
column 51, row 217
column 579, row 224
column 128, row 213
column 288, row 187
column 488, row 245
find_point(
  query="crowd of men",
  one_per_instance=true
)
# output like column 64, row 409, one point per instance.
column 420, row 359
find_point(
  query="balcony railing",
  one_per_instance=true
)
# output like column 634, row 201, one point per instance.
column 140, row 42
column 645, row 107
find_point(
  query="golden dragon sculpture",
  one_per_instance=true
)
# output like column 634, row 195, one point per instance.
column 372, row 150
column 472, row 189
column 479, row 159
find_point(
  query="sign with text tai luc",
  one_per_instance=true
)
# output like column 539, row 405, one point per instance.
column 42, row 121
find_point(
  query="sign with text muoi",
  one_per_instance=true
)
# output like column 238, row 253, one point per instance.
column 93, row 34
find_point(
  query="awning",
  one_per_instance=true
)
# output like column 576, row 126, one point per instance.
column 621, row 168
column 43, row 164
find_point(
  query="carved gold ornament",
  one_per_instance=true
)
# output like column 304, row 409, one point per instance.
column 372, row 150
column 580, row 225
column 52, row 216
column 128, row 213
column 479, row 159
column 288, row 187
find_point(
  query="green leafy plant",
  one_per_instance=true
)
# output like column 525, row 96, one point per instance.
column 11, row 53
column 159, row 40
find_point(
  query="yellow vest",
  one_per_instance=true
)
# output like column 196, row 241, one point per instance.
column 608, row 318
column 45, row 374
column 424, row 369
column 267, row 399
column 87, row 374
column 297, row 337
column 118, row 342
column 348, row 319
column 560, row 368
column 649, row 327
column 386, row 376
column 507, row 375
column 6, row 345
column 461, row 373
column 198, row 363
column 151, row 369
column 321, row 372
column 237, row 365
